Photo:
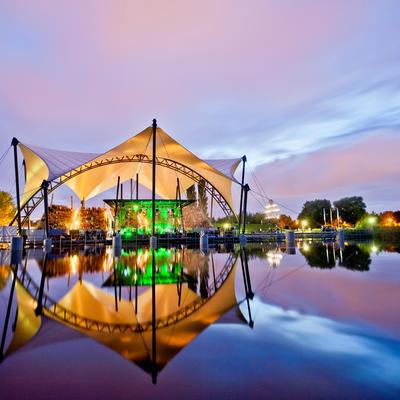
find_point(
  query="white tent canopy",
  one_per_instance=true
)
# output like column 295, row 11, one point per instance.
column 48, row 164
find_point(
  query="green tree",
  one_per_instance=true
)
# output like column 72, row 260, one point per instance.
column 351, row 209
column 203, row 200
column 191, row 193
column 254, row 218
column 7, row 208
column 313, row 212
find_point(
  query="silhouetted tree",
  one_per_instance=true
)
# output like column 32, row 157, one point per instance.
column 313, row 212
column 351, row 209
column 396, row 216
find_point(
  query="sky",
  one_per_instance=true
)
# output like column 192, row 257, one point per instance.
column 308, row 90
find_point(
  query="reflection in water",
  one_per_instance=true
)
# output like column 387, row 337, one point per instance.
column 327, row 256
column 179, row 298
column 135, row 267
column 148, row 306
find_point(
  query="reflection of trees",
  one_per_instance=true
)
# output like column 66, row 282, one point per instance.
column 75, row 262
column 262, row 252
column 355, row 258
column 316, row 256
column 195, row 262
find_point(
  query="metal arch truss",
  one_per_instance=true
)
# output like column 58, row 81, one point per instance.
column 37, row 197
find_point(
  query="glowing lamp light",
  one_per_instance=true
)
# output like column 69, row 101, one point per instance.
column 274, row 258
column 374, row 249
column 371, row 220
column 226, row 226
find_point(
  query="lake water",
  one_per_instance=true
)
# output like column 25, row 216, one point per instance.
column 315, row 321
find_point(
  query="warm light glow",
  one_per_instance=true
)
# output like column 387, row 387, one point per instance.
column 274, row 258
column 74, row 264
column 226, row 226
column 304, row 223
column 372, row 220
column 374, row 249
column 306, row 247
column 75, row 220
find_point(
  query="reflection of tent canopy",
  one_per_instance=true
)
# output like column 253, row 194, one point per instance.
column 27, row 322
column 47, row 164
column 86, row 299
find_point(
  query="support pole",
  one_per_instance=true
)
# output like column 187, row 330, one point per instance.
column 131, row 188
column 116, row 205
column 212, row 203
column 246, row 189
column 153, row 186
column 179, row 197
column 14, row 143
column 244, row 159
column 137, row 186
column 45, row 186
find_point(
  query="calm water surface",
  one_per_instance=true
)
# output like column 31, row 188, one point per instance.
column 316, row 321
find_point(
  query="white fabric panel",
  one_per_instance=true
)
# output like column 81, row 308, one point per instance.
column 36, row 172
column 60, row 162
column 226, row 166
column 50, row 164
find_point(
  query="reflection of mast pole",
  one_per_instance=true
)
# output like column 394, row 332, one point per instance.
column 39, row 307
column 153, row 314
column 213, row 270
column 115, row 283
column 334, row 252
column 3, row 337
column 246, row 265
column 327, row 253
column 245, row 282
column 136, row 284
